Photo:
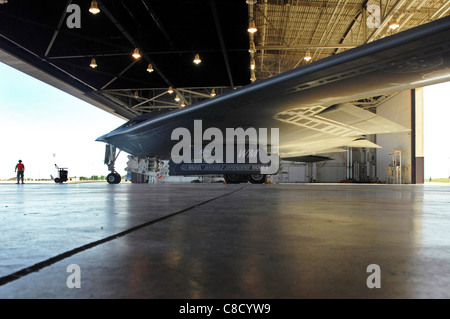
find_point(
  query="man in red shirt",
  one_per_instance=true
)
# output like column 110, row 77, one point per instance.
column 20, row 168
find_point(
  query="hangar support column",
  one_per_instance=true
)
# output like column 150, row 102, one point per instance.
column 399, row 110
column 404, row 108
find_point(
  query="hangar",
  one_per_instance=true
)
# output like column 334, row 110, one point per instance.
column 142, row 58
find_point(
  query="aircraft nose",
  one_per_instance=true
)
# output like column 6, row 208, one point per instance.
column 102, row 138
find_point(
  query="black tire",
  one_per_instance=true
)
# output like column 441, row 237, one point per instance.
column 233, row 178
column 257, row 178
column 113, row 178
column 57, row 180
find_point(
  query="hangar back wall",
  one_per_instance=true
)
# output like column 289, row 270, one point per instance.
column 405, row 108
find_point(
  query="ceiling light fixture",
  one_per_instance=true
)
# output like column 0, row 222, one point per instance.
column 252, row 64
column 182, row 104
column 136, row 54
column 197, row 59
column 213, row 93
column 150, row 68
column 253, row 77
column 93, row 63
column 170, row 90
column 177, row 98
column 252, row 48
column 252, row 27
column 307, row 56
column 94, row 7
column 394, row 25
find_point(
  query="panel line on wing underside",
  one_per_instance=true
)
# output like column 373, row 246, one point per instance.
column 341, row 120
column 308, row 118
column 412, row 62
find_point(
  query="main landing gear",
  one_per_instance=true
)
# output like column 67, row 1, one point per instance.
column 243, row 178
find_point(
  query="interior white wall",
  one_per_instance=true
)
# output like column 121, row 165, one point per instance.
column 290, row 172
column 332, row 171
column 397, row 109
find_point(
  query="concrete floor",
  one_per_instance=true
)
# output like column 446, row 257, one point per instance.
column 224, row 241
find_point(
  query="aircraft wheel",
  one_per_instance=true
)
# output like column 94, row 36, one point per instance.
column 113, row 178
column 57, row 180
column 257, row 178
column 233, row 178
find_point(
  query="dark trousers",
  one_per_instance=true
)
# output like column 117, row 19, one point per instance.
column 19, row 176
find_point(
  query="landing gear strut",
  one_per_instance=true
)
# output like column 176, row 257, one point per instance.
column 110, row 160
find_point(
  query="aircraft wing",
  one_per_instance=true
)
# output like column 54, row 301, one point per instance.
column 309, row 104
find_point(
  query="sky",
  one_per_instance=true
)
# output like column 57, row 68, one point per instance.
column 437, row 130
column 44, row 126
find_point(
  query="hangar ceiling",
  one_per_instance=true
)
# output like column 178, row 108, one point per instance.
column 43, row 39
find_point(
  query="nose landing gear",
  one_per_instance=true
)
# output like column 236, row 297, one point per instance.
column 110, row 160
column 113, row 178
